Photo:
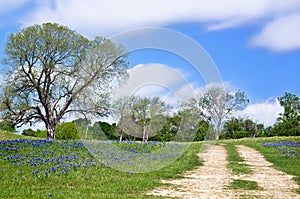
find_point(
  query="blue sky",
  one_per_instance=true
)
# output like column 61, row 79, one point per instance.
column 254, row 43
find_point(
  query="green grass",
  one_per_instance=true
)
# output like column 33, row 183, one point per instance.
column 289, row 165
column 244, row 184
column 10, row 136
column 235, row 165
column 90, row 182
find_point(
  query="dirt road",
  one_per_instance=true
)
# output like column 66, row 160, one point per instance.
column 212, row 179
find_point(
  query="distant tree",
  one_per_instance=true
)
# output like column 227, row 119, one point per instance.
column 141, row 116
column 7, row 126
column 239, row 128
column 217, row 104
column 29, row 132
column 55, row 71
column 191, row 113
column 121, row 110
column 104, row 131
column 250, row 127
column 202, row 131
column 260, row 130
column 291, row 105
column 288, row 122
column 35, row 133
column 232, row 126
column 170, row 128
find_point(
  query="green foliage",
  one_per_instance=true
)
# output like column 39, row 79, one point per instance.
column 240, row 134
column 288, row 122
column 291, row 105
column 52, row 68
column 140, row 117
column 236, row 164
column 66, row 130
column 288, row 127
column 35, row 133
column 169, row 129
column 236, row 128
column 104, row 131
column 202, row 131
column 7, row 126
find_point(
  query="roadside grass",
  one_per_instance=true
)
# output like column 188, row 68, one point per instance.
column 63, row 169
column 4, row 135
column 281, row 161
column 283, row 158
column 244, row 184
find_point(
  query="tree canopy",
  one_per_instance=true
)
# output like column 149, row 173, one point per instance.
column 140, row 116
column 216, row 105
column 53, row 71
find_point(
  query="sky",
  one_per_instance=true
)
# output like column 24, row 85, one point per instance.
column 254, row 44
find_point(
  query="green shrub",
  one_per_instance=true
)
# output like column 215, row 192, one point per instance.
column 7, row 126
column 240, row 134
column 66, row 130
column 35, row 133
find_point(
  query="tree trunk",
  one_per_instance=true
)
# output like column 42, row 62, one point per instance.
column 121, row 136
column 86, row 131
column 50, row 132
column 144, row 134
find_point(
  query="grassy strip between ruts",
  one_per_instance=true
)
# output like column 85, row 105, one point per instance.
column 235, row 165
column 90, row 182
column 244, row 184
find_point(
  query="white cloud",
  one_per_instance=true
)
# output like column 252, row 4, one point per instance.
column 157, row 80
column 280, row 35
column 94, row 17
column 266, row 112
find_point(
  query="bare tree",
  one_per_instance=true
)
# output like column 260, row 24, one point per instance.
column 54, row 71
column 141, row 116
column 217, row 104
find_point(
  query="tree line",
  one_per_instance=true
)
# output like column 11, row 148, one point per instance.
column 53, row 71
column 136, row 119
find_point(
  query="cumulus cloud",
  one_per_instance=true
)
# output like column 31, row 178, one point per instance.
column 158, row 80
column 152, row 80
column 281, row 34
column 266, row 112
column 94, row 17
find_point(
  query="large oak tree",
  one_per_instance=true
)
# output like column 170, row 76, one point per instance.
column 53, row 71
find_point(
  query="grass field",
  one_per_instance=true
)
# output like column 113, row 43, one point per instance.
column 66, row 169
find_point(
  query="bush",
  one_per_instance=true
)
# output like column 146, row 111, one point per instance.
column 38, row 133
column 240, row 134
column 66, row 130
column 7, row 126
column 285, row 128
